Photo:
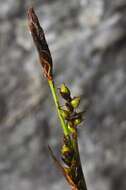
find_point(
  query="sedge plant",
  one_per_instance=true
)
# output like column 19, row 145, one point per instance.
column 70, row 163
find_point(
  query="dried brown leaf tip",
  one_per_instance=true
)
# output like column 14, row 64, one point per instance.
column 40, row 43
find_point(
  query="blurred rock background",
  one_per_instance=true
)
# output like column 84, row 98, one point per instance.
column 87, row 39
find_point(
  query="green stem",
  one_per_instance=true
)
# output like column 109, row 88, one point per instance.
column 56, row 100
column 74, row 142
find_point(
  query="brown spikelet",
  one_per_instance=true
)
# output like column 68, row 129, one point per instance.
column 40, row 43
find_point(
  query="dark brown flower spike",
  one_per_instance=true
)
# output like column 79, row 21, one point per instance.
column 40, row 43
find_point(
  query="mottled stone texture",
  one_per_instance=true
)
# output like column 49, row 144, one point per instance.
column 88, row 44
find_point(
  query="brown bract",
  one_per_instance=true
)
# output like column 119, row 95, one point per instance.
column 40, row 43
column 63, row 170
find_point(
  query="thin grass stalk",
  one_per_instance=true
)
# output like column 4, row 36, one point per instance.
column 56, row 100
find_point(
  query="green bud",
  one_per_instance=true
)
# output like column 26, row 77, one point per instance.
column 64, row 89
column 65, row 114
column 65, row 92
column 77, row 121
column 75, row 102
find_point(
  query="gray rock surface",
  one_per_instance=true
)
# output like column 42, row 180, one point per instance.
column 87, row 40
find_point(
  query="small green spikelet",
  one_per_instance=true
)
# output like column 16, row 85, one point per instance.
column 65, row 92
column 64, row 89
column 65, row 114
column 75, row 102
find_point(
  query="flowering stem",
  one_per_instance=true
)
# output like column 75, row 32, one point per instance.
column 56, row 100
column 69, row 151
